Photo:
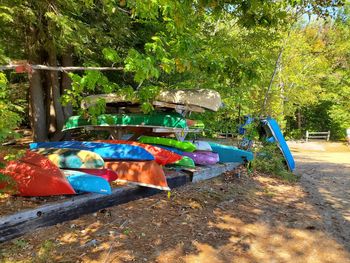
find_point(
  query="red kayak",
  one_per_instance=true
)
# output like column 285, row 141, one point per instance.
column 107, row 174
column 161, row 156
column 35, row 175
column 146, row 173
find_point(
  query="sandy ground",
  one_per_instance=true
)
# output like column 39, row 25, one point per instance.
column 253, row 218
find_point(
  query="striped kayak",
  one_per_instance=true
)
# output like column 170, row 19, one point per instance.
column 155, row 119
column 35, row 175
column 184, row 146
column 148, row 173
column 105, row 150
column 106, row 174
column 84, row 182
column 161, row 156
column 203, row 158
column 72, row 158
column 228, row 154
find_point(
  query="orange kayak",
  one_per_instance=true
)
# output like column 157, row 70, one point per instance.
column 146, row 173
column 161, row 156
column 35, row 175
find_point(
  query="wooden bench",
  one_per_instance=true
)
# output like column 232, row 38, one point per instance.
column 318, row 135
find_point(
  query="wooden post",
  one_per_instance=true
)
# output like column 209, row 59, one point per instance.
column 328, row 135
column 307, row 136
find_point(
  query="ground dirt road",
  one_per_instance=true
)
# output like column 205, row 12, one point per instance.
column 253, row 218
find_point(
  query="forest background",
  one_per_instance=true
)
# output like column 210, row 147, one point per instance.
column 287, row 59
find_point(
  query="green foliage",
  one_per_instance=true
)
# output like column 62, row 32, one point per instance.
column 269, row 160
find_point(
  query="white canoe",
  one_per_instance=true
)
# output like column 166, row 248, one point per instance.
column 204, row 98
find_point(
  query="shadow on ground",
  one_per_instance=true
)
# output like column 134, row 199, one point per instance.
column 251, row 219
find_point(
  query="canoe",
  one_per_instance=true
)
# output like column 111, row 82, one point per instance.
column 205, row 98
column 184, row 146
column 72, row 158
column 161, row 156
column 185, row 162
column 272, row 127
column 106, row 98
column 202, row 146
column 105, row 150
column 228, row 154
column 35, row 175
column 84, row 182
column 203, row 158
column 107, row 174
column 147, row 173
column 154, row 119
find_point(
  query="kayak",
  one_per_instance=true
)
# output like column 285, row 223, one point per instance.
column 204, row 98
column 84, row 182
column 154, row 119
column 147, row 173
column 228, row 154
column 72, row 158
column 203, row 158
column 35, row 175
column 185, row 162
column 107, row 174
column 161, row 156
column 272, row 127
column 170, row 149
column 195, row 124
column 184, row 146
column 202, row 146
column 105, row 150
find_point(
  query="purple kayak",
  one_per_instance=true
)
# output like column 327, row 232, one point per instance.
column 202, row 157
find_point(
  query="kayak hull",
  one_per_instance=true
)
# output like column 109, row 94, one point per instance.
column 106, row 174
column 274, row 129
column 183, row 146
column 203, row 158
column 35, row 175
column 84, row 182
column 72, row 158
column 161, row 156
column 105, row 150
column 147, row 173
column 231, row 154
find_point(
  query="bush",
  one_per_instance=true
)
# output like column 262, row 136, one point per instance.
column 269, row 160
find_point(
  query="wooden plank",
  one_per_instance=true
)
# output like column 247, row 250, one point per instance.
column 208, row 172
column 13, row 226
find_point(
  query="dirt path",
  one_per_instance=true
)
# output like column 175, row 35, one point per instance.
column 325, row 170
column 227, row 219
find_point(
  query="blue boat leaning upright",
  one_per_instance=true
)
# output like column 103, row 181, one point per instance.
column 106, row 150
column 274, row 129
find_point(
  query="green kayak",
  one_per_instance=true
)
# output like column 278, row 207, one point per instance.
column 185, row 162
column 158, row 119
column 184, row 146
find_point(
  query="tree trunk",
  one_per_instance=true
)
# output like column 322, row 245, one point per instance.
column 55, row 94
column 37, row 107
column 66, row 82
column 299, row 118
column 36, row 94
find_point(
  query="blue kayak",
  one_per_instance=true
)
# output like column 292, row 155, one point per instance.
column 231, row 154
column 105, row 150
column 275, row 130
column 83, row 182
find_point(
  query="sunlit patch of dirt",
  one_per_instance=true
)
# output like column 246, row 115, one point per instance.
column 226, row 219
